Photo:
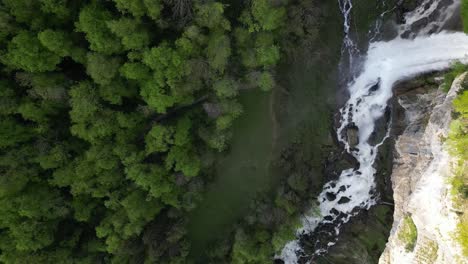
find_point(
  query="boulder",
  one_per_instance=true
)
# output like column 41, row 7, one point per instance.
column 352, row 134
column 330, row 196
column 344, row 200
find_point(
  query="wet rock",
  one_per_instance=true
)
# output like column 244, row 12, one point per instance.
column 318, row 240
column 381, row 127
column 337, row 162
column 426, row 24
column 330, row 196
column 417, row 86
column 334, row 211
column 344, row 200
column 406, row 34
column 352, row 134
column 278, row 261
column 350, row 252
column 359, row 101
column 420, row 24
column 375, row 87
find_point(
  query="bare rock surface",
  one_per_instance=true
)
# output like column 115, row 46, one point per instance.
column 422, row 167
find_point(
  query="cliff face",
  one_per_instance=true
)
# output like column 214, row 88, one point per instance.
column 424, row 218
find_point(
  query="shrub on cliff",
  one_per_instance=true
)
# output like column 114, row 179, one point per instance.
column 458, row 142
column 464, row 14
column 408, row 233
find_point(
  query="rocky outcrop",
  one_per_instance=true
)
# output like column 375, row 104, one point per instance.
column 420, row 176
column 352, row 134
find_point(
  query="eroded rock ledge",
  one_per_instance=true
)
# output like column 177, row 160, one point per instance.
column 424, row 218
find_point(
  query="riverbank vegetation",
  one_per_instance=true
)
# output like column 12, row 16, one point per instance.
column 457, row 142
column 464, row 14
column 456, row 69
column 111, row 113
column 408, row 233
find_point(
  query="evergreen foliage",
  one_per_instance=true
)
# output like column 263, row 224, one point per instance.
column 102, row 133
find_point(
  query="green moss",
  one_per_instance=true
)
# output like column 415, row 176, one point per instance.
column 285, row 233
column 464, row 14
column 459, row 183
column 457, row 69
column 381, row 212
column 251, row 249
column 408, row 233
column 372, row 238
column 459, row 193
column 375, row 233
column 462, row 234
column 457, row 142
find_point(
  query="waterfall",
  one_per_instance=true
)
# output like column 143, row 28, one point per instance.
column 349, row 46
column 430, row 17
column 386, row 63
column 376, row 30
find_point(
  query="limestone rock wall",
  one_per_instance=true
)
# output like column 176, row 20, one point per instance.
column 421, row 170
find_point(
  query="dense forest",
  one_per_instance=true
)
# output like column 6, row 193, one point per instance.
column 115, row 113
column 111, row 112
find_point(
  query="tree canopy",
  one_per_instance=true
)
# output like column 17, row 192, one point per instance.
column 103, row 137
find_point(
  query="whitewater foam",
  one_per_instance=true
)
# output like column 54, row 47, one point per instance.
column 349, row 46
column 417, row 23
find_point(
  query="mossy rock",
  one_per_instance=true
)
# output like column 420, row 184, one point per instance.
column 408, row 233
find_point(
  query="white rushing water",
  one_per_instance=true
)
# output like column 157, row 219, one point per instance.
column 385, row 64
column 438, row 11
column 349, row 46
